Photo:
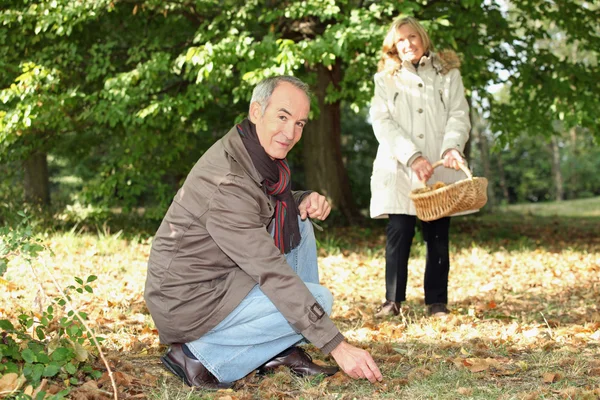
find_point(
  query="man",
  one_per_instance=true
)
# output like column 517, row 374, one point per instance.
column 232, row 280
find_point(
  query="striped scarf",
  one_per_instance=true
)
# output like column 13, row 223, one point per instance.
column 276, row 176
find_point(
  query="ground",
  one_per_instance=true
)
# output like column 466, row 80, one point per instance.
column 525, row 321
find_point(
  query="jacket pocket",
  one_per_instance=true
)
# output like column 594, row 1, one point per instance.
column 382, row 179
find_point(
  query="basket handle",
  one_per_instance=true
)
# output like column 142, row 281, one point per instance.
column 463, row 168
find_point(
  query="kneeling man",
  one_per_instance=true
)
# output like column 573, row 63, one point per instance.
column 233, row 283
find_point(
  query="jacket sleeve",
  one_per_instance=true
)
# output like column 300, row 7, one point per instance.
column 458, row 125
column 387, row 130
column 299, row 195
column 234, row 222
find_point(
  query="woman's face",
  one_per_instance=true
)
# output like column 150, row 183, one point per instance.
column 409, row 44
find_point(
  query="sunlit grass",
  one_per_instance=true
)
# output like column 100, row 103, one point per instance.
column 524, row 293
column 568, row 208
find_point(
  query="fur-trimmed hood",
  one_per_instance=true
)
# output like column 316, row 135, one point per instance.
column 443, row 61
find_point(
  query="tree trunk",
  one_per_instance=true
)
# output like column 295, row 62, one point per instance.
column 502, row 179
column 323, row 164
column 36, row 180
column 484, row 151
column 558, row 181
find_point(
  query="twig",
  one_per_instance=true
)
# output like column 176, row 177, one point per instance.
column 88, row 330
column 548, row 325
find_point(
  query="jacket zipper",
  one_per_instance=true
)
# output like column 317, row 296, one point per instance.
column 442, row 99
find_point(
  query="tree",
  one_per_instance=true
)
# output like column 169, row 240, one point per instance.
column 128, row 94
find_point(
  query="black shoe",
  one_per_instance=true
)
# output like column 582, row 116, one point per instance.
column 190, row 370
column 438, row 310
column 388, row 308
column 299, row 363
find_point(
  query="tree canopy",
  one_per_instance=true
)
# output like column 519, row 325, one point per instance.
column 127, row 95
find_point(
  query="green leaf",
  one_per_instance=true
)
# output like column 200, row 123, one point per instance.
column 41, row 395
column 61, row 354
column 40, row 333
column 37, row 372
column 70, row 368
column 3, row 265
column 51, row 370
column 10, row 367
column 6, row 325
column 28, row 356
column 91, row 278
column 78, row 280
column 42, row 358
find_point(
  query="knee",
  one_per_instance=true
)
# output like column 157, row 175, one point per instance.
column 306, row 228
column 323, row 296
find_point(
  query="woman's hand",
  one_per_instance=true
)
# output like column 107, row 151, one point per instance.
column 422, row 168
column 453, row 159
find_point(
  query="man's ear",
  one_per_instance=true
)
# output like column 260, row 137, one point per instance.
column 255, row 112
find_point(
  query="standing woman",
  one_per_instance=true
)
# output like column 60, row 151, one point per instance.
column 419, row 115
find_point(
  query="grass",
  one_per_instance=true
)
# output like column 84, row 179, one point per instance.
column 524, row 291
column 569, row 208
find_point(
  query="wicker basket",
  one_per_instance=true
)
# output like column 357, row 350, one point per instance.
column 464, row 195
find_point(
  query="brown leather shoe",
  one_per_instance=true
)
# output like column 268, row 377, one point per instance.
column 388, row 308
column 299, row 363
column 190, row 370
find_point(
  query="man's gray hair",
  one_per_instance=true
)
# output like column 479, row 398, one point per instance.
column 265, row 88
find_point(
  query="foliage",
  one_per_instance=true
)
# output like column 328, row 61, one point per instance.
column 526, row 164
column 49, row 344
column 126, row 96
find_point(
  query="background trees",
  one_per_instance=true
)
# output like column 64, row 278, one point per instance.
column 111, row 102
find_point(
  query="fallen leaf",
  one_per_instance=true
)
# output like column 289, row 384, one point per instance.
column 465, row 391
column 594, row 372
column 418, row 373
column 550, row 377
column 10, row 383
column 477, row 365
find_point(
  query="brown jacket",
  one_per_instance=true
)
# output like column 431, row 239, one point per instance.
column 212, row 247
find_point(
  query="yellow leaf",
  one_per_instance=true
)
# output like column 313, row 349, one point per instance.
column 80, row 352
column 28, row 390
column 53, row 345
column 550, row 377
column 10, row 383
column 478, row 365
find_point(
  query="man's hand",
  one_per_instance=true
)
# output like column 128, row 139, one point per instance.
column 453, row 159
column 314, row 206
column 422, row 168
column 357, row 363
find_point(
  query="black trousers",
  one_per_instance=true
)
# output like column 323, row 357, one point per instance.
column 400, row 232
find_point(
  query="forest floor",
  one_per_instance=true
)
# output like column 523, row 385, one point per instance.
column 525, row 321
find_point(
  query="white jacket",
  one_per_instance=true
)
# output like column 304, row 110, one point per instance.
column 415, row 111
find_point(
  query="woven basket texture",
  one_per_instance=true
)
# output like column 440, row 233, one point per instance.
column 464, row 195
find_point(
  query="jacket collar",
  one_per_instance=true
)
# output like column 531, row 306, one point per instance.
column 234, row 147
column 425, row 63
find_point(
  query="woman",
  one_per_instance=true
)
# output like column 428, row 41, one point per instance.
column 419, row 114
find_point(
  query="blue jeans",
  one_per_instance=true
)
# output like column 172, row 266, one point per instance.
column 256, row 331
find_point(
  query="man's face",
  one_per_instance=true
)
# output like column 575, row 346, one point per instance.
column 281, row 125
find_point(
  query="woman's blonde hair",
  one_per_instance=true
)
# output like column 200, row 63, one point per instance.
column 390, row 60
